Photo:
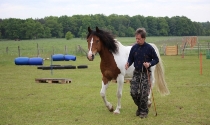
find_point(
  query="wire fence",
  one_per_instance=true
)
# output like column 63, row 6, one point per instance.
column 77, row 50
column 42, row 52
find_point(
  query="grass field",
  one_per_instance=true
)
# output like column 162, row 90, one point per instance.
column 24, row 102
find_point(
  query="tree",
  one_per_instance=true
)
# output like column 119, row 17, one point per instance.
column 13, row 28
column 83, row 35
column 65, row 22
column 119, row 25
column 130, row 32
column 163, row 27
column 33, row 29
column 56, row 28
column 152, row 26
column 47, row 32
column 136, row 21
column 172, row 26
column 206, row 26
column 76, row 23
column 69, row 35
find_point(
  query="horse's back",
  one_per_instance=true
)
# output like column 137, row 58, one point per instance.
column 121, row 59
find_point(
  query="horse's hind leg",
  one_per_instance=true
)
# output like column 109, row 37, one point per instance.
column 152, row 82
column 149, row 102
column 103, row 95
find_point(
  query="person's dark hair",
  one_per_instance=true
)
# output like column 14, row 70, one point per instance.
column 142, row 32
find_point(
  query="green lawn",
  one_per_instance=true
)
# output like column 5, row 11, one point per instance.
column 25, row 102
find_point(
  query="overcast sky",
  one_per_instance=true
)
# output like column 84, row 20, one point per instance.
column 195, row 10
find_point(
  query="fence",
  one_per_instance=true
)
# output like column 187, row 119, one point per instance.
column 42, row 52
column 164, row 49
column 171, row 50
column 185, row 46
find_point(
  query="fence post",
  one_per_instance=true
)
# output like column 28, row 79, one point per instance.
column 198, row 49
column 201, row 64
column 37, row 46
column 7, row 50
column 177, row 45
column 19, row 51
column 65, row 50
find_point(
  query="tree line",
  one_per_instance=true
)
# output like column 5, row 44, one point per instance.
column 119, row 25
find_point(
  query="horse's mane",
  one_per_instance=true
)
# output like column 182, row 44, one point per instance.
column 106, row 38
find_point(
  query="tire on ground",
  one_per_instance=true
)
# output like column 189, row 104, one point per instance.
column 52, row 67
column 58, row 67
column 69, row 67
column 82, row 66
column 39, row 67
column 46, row 67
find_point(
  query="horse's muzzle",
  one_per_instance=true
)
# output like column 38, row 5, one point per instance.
column 90, row 57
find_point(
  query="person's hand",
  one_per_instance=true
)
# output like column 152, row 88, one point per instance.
column 126, row 66
column 146, row 64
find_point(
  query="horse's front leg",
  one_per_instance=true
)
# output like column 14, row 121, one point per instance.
column 103, row 95
column 120, row 82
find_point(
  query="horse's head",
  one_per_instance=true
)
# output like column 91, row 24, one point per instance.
column 99, row 41
column 94, row 43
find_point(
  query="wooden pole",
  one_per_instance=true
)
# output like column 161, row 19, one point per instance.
column 19, row 51
column 201, row 64
column 183, row 49
column 51, row 65
column 177, row 47
column 7, row 49
column 198, row 47
column 37, row 46
column 65, row 50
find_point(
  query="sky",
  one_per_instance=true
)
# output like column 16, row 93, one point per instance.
column 195, row 10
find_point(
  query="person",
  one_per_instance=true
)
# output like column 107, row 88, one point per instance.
column 143, row 56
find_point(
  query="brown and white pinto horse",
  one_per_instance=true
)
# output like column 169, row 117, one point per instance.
column 113, row 59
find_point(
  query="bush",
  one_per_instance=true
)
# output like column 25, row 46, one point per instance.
column 68, row 35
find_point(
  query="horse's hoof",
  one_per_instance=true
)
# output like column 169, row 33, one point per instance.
column 149, row 104
column 116, row 112
column 112, row 109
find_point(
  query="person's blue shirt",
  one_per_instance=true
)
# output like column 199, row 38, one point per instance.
column 142, row 53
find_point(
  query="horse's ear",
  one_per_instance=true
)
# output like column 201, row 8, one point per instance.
column 97, row 29
column 89, row 30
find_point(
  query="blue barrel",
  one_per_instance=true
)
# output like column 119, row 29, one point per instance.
column 70, row 57
column 58, row 57
column 35, row 61
column 21, row 60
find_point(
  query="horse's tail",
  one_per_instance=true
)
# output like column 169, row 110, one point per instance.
column 159, row 75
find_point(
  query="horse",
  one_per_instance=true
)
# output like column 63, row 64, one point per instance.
column 114, row 56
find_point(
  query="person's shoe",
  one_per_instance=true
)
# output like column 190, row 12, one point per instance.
column 137, row 113
column 143, row 115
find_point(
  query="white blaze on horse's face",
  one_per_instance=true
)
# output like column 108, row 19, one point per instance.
column 90, row 53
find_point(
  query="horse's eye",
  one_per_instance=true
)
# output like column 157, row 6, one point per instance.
column 97, row 41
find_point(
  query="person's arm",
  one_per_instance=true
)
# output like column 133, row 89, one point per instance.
column 130, row 57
